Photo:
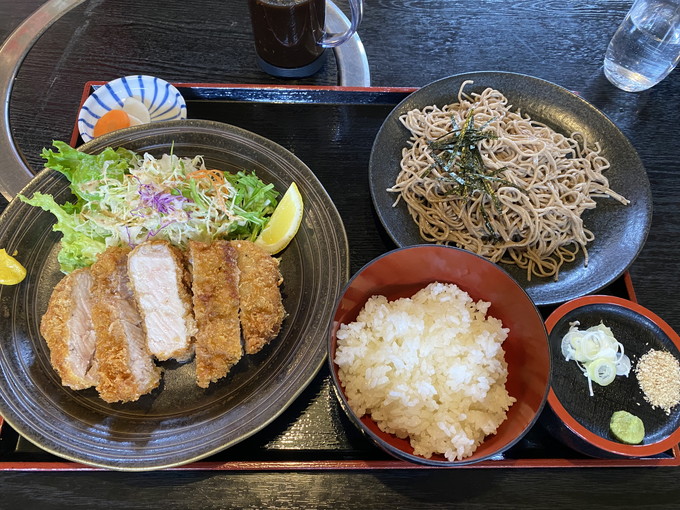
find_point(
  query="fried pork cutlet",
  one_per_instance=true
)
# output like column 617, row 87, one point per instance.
column 215, row 277
column 261, row 309
column 126, row 368
column 68, row 330
column 160, row 282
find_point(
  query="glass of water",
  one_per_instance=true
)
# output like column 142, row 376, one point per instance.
column 646, row 47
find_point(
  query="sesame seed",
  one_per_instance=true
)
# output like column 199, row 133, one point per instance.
column 658, row 374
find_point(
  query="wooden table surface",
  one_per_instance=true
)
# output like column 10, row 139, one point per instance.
column 409, row 43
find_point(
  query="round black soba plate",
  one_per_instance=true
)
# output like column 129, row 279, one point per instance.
column 178, row 422
column 620, row 231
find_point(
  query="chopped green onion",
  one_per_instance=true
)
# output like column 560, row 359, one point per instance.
column 597, row 353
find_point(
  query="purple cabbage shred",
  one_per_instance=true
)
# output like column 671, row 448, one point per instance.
column 161, row 201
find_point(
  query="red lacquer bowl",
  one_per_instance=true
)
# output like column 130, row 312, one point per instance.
column 401, row 273
column 582, row 421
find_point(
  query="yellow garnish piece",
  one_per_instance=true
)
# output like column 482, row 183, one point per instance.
column 11, row 271
column 284, row 222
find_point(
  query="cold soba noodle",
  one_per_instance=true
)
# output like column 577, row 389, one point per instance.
column 544, row 182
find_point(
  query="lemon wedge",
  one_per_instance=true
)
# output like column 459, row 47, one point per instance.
column 284, row 222
column 11, row 271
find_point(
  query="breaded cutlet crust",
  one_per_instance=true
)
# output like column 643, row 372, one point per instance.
column 261, row 307
column 54, row 327
column 126, row 371
column 215, row 277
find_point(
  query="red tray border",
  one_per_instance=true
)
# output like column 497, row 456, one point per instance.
column 341, row 465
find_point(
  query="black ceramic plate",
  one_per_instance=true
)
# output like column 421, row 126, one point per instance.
column 586, row 417
column 178, row 422
column 620, row 231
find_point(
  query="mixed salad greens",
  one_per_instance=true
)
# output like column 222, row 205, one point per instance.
column 125, row 198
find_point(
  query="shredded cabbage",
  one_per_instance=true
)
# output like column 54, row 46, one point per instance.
column 596, row 352
column 124, row 198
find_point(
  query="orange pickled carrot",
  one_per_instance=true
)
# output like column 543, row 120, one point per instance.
column 111, row 121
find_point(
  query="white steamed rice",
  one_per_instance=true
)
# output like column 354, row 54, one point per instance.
column 430, row 368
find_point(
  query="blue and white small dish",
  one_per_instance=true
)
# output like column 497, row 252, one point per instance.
column 163, row 101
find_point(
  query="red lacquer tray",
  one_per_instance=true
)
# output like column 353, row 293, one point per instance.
column 313, row 433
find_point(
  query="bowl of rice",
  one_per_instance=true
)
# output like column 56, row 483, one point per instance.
column 439, row 356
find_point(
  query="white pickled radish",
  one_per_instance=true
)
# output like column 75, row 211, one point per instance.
column 137, row 111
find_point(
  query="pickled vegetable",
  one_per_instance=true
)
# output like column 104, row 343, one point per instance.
column 11, row 270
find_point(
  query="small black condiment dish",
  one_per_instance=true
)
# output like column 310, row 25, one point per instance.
column 582, row 421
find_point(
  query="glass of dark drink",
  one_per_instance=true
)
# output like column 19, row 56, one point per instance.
column 290, row 37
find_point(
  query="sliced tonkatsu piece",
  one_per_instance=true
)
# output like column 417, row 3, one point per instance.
column 215, row 277
column 261, row 309
column 160, row 282
column 126, row 368
column 68, row 330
